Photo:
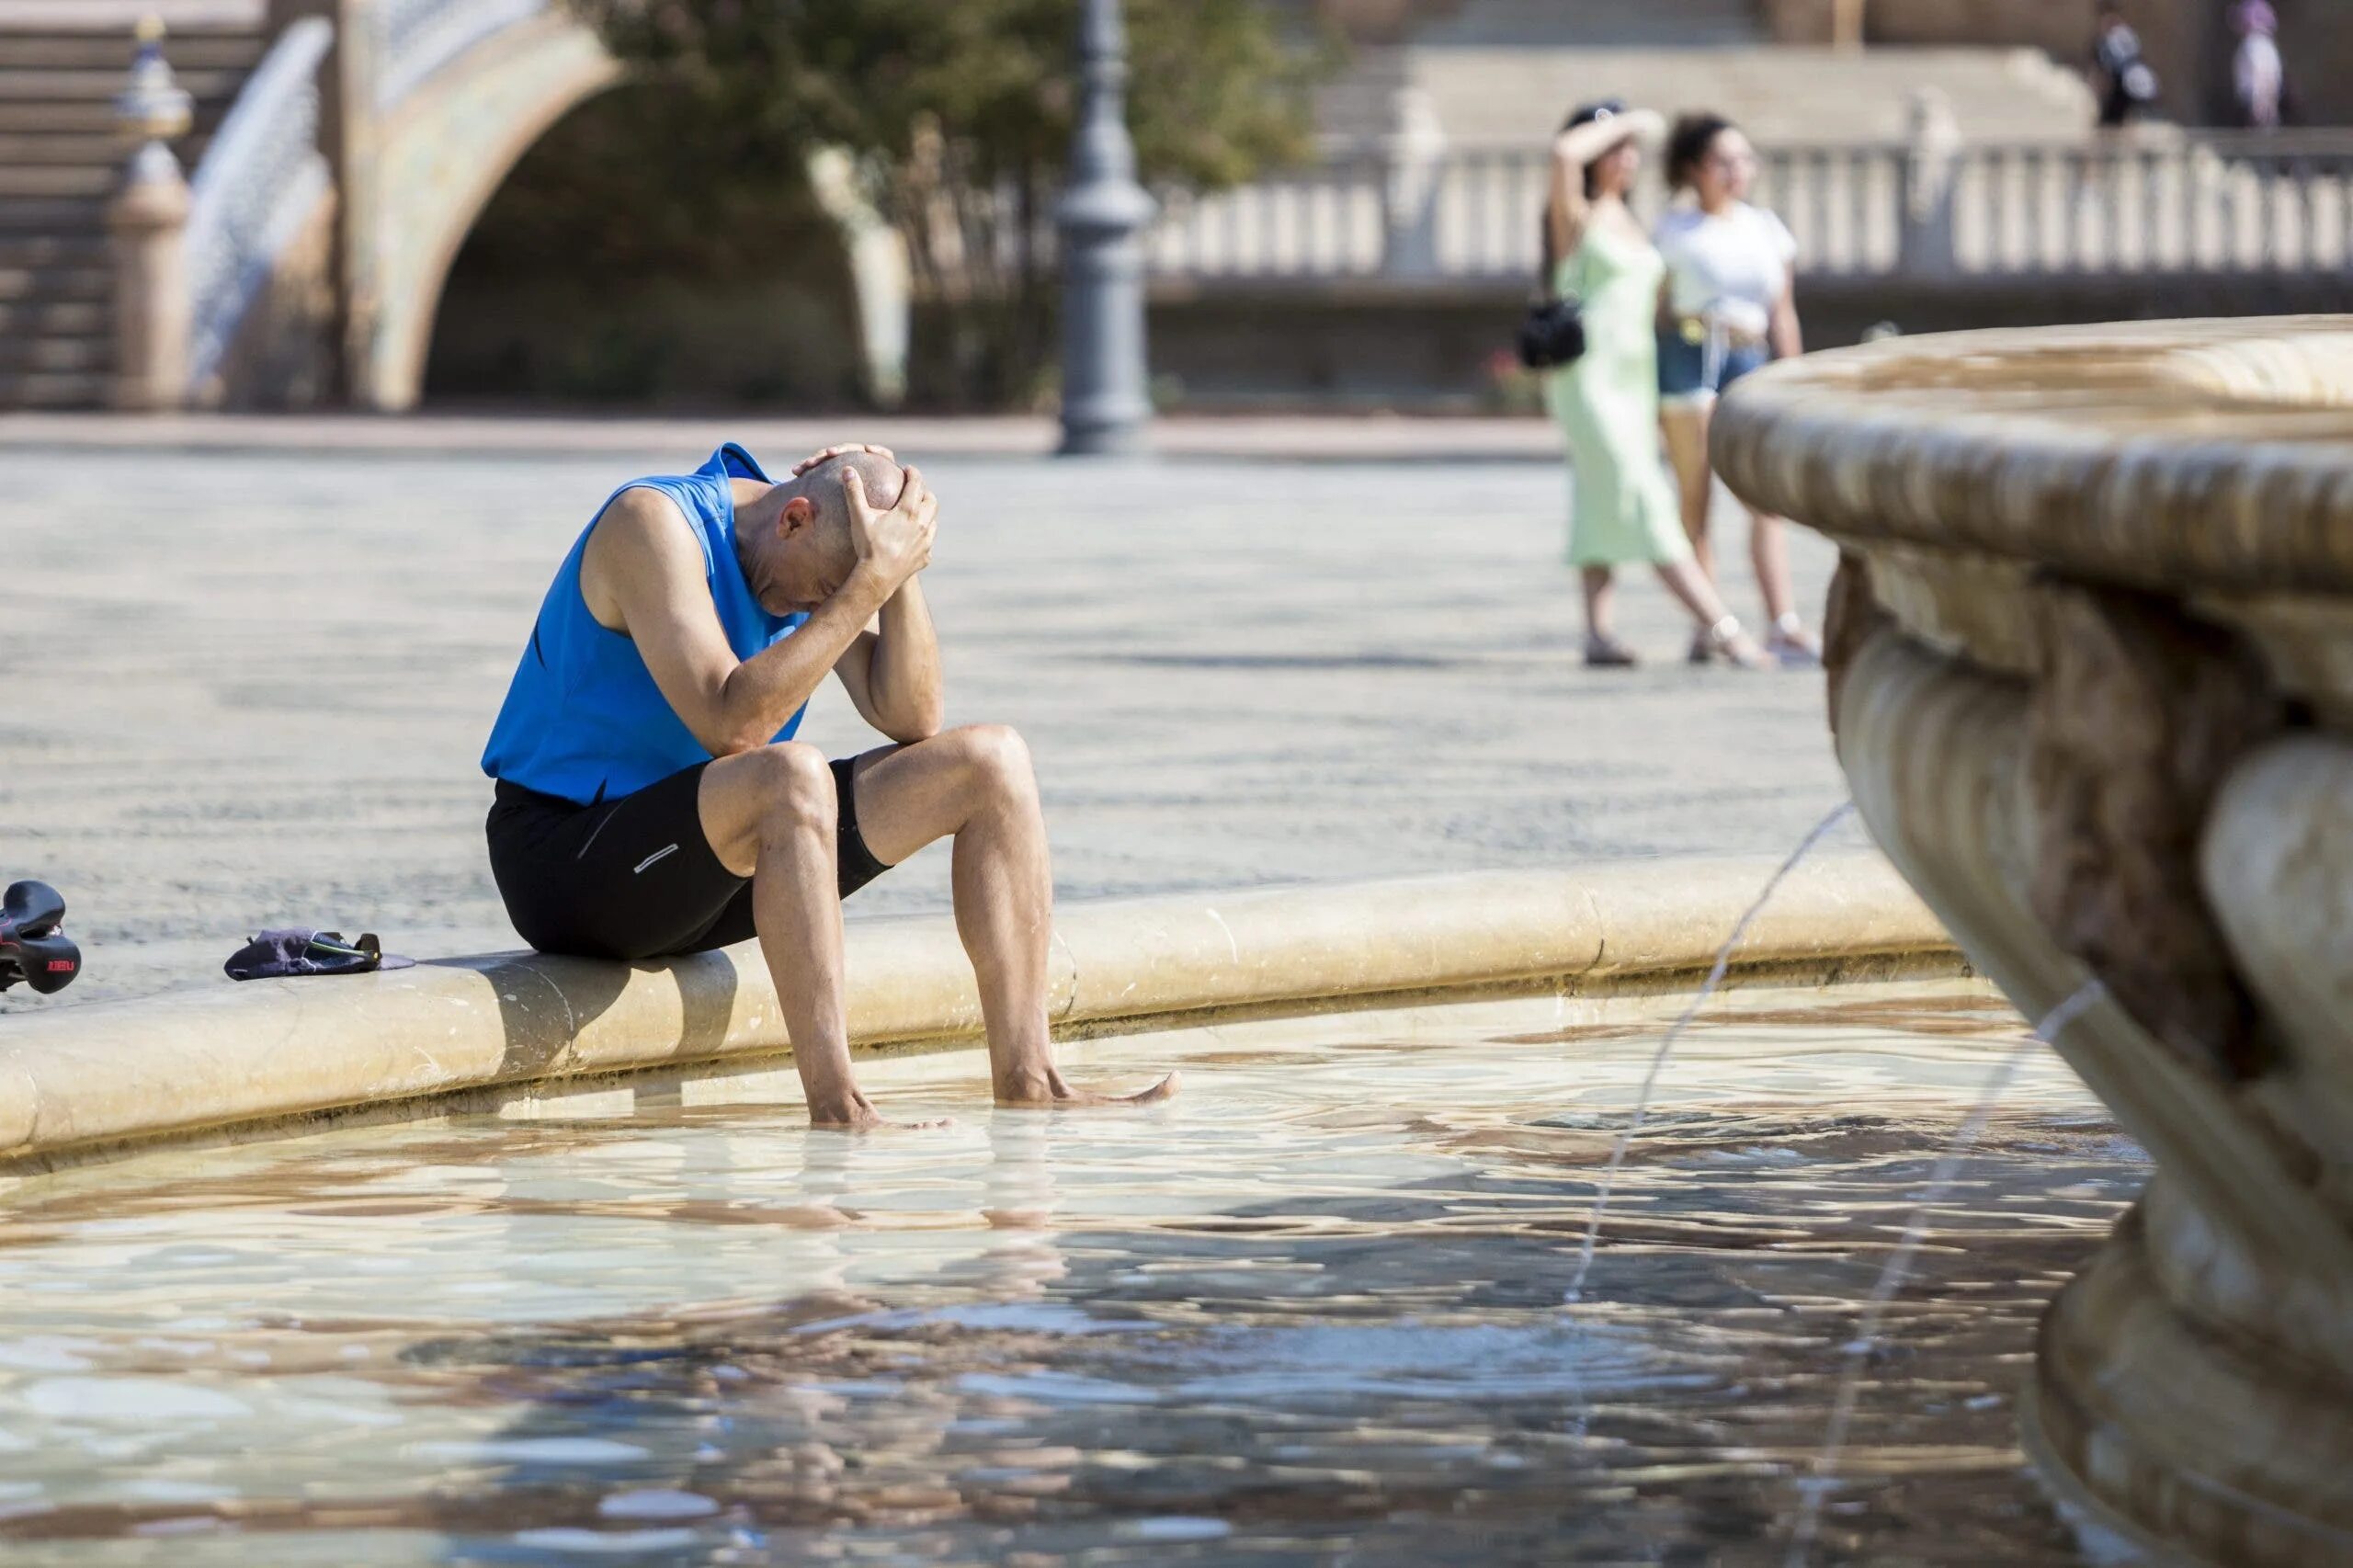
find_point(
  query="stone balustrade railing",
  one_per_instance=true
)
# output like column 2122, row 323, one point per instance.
column 413, row 38
column 2192, row 204
column 262, row 177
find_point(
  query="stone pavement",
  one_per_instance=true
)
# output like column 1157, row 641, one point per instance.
column 249, row 687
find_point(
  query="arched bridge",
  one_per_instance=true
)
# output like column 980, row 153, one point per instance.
column 457, row 91
column 341, row 150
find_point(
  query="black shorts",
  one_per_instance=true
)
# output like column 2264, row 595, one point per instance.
column 635, row 878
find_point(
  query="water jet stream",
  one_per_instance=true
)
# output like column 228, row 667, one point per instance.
column 1674, row 1032
column 1858, row 1349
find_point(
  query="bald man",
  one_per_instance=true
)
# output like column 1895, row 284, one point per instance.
column 652, row 800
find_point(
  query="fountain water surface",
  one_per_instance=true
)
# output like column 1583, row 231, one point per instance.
column 1309, row 1309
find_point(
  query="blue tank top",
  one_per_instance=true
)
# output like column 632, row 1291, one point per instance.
column 583, row 718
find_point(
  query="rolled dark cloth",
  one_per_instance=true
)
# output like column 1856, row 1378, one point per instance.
column 275, row 954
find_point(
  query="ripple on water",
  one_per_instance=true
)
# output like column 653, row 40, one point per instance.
column 135, row 1400
column 533, row 1450
column 1012, row 1317
column 1559, row 1356
column 1172, row 1528
column 656, row 1503
column 43, row 1353
column 615, row 1542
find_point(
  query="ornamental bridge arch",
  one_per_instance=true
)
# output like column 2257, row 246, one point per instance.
column 343, row 151
column 449, row 95
column 453, row 93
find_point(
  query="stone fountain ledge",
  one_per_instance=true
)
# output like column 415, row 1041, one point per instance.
column 495, row 1032
column 2091, row 678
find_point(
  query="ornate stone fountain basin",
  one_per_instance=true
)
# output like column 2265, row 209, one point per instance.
column 2091, row 677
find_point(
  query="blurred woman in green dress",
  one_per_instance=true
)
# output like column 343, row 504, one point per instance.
column 1606, row 401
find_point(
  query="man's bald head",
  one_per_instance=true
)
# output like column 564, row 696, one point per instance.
column 803, row 526
column 822, row 486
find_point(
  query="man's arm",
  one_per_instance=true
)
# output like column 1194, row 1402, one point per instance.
column 645, row 565
column 891, row 669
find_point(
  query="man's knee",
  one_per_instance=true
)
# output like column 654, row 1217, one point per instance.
column 796, row 790
column 999, row 758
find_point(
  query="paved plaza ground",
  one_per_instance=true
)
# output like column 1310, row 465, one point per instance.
column 249, row 687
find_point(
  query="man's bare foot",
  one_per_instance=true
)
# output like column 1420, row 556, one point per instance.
column 1050, row 1091
column 854, row 1112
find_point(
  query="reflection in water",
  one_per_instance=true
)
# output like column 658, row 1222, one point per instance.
column 1309, row 1309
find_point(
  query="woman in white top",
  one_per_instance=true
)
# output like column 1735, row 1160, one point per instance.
column 1727, row 307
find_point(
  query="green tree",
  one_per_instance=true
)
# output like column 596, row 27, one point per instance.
column 960, row 113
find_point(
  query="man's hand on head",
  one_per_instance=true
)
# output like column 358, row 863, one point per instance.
column 830, row 453
column 895, row 544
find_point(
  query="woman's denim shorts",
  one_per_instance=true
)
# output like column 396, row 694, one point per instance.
column 1683, row 367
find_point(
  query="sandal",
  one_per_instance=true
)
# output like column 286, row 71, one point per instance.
column 1703, row 651
column 1609, row 653
column 1729, row 642
column 1793, row 645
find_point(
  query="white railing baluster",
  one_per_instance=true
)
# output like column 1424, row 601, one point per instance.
column 1972, row 250
column 1787, row 197
column 1491, row 256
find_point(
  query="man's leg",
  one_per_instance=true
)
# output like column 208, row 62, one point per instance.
column 975, row 783
column 769, row 816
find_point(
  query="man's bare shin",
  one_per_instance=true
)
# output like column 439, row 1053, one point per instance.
column 799, row 917
column 769, row 814
column 1004, row 890
column 976, row 785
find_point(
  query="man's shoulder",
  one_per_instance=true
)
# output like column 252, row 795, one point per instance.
column 644, row 532
column 643, row 515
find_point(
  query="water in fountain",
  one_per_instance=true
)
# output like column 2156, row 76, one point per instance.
column 1674, row 1032
column 1858, row 1349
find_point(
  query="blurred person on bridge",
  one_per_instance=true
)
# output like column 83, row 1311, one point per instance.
column 1607, row 399
column 2258, row 75
column 1729, row 307
column 2126, row 84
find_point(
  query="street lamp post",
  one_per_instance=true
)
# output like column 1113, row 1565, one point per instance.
column 1100, row 216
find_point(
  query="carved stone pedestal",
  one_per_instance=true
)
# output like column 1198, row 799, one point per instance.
column 2091, row 682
